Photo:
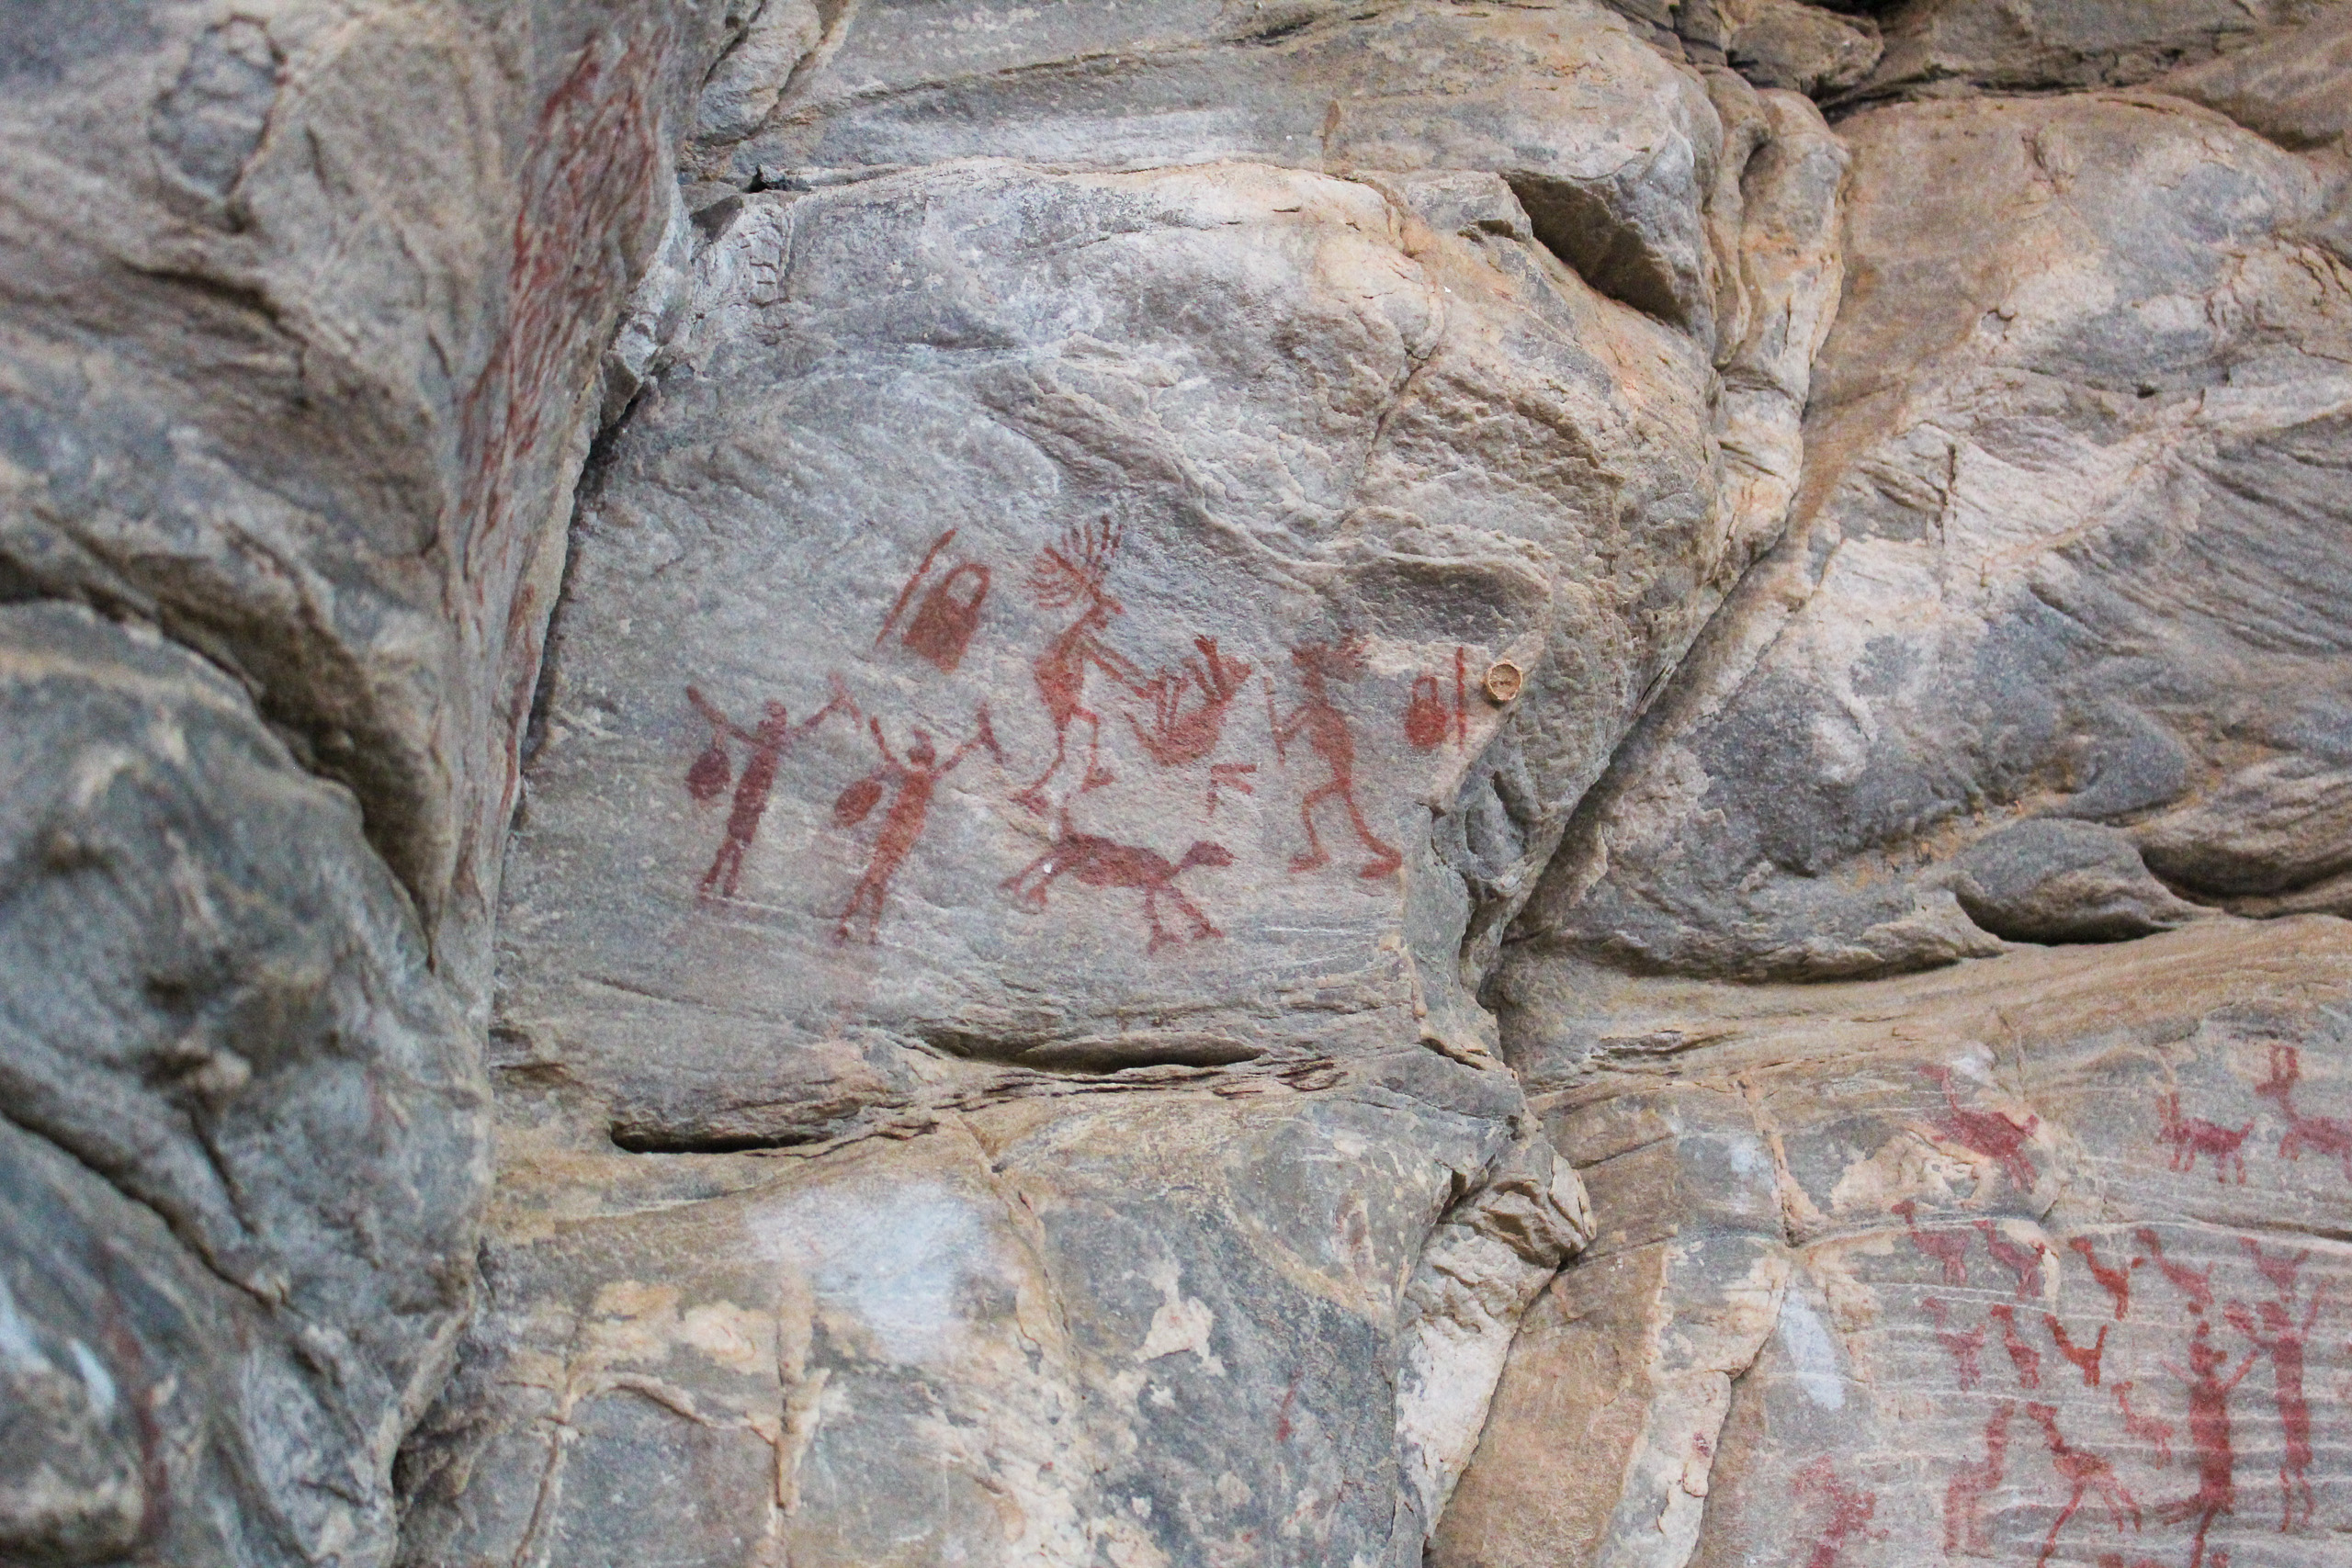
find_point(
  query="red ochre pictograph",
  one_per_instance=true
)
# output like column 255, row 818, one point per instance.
column 944, row 622
column 2323, row 1135
column 2272, row 1330
column 2083, row 1473
column 763, row 751
column 1964, row 1494
column 1946, row 1248
column 1846, row 1513
column 1965, row 1349
column 2209, row 1435
column 2193, row 1136
column 1091, row 860
column 1988, row 1133
column 1074, row 573
column 1178, row 734
column 1329, row 735
column 2116, row 1282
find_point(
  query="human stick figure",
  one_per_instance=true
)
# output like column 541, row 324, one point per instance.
column 2208, row 1431
column 1329, row 737
column 1074, row 572
column 763, row 750
column 911, row 786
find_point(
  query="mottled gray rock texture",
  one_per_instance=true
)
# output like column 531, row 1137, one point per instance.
column 1408, row 784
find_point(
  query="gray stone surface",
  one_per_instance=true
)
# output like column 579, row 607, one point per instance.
column 2025, row 45
column 2066, row 553
column 300, row 312
column 1121, row 542
column 246, row 1133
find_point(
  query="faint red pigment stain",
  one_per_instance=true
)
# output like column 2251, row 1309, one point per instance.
column 1965, row 1348
column 2197, row 1284
column 2281, row 1337
column 949, row 615
column 2324, row 1135
column 2116, row 1282
column 2024, row 1356
column 1947, row 1248
column 1179, row 734
column 2149, row 1429
column 1846, row 1512
column 2210, row 1434
column 2024, row 1263
column 2086, row 1358
column 1964, row 1496
column 2083, row 1473
column 1229, row 777
column 593, row 170
column 909, row 786
column 1075, row 574
column 1092, row 860
column 763, row 750
column 1331, row 737
column 2193, row 1136
column 1989, row 1134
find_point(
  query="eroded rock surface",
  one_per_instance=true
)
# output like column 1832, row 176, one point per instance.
column 2056, row 654
column 1125, row 541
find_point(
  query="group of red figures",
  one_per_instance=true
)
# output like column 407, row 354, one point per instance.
column 1177, row 718
column 2277, row 1328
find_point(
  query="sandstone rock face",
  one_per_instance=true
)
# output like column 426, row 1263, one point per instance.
column 907, row 781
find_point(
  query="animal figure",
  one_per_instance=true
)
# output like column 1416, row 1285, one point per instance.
column 1177, row 734
column 2324, row 1135
column 1848, row 1514
column 2022, row 1355
column 2197, row 1284
column 1329, row 736
column 1093, row 861
column 1971, row 1484
column 2083, row 1472
column 2116, row 1282
column 1074, row 573
column 2156, row 1433
column 1947, row 1248
column 911, row 785
column 1964, row 1349
column 2191, row 1137
column 2026, row 1265
column 1990, row 1133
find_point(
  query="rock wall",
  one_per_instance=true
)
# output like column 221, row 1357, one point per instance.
column 903, row 782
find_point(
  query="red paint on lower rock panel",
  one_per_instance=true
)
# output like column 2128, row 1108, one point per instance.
column 1964, row 1349
column 2024, row 1263
column 2149, row 1429
column 2116, row 1282
column 1944, row 1248
column 2197, row 1284
column 2272, row 1329
column 2087, row 1357
column 1964, row 1532
column 1847, row 1516
column 2024, row 1356
column 2085, row 1473
column 2209, row 1432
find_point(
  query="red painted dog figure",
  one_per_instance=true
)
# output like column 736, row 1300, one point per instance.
column 2191, row 1137
column 1092, row 860
column 2324, row 1135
